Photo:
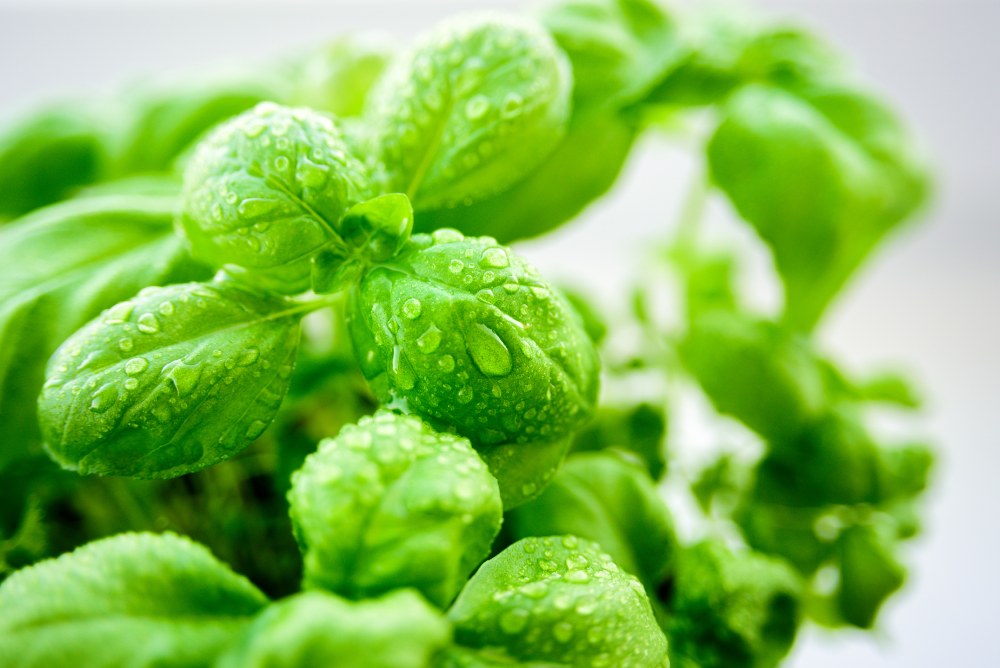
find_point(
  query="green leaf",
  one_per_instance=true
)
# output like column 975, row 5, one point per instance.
column 266, row 190
column 131, row 600
column 373, row 231
column 398, row 630
column 59, row 267
column 618, row 48
column 469, row 336
column 601, row 497
column 869, row 573
column 559, row 600
column 477, row 105
column 732, row 609
column 822, row 175
column 167, row 119
column 44, row 157
column 172, row 381
column 756, row 372
column 637, row 431
column 581, row 168
column 390, row 503
column 338, row 76
column 463, row 657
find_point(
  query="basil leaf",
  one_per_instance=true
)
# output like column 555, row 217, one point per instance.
column 140, row 600
column 822, row 175
column 266, row 190
column 469, row 336
column 601, row 497
column 869, row 572
column 618, row 48
column 581, row 168
column 732, row 608
column 559, row 600
column 475, row 107
column 398, row 630
column 49, row 287
column 46, row 156
column 172, row 381
column 390, row 503
column 637, row 432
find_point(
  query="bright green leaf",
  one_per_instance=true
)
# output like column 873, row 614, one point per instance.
column 139, row 600
column 172, row 381
column 559, row 600
column 390, row 503
column 478, row 104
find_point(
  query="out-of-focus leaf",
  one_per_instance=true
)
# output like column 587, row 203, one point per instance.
column 638, row 431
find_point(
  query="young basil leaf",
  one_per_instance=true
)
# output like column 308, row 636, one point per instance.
column 581, row 168
column 522, row 470
column 756, row 372
column 463, row 657
column 559, row 600
column 338, row 77
column 869, row 572
column 266, row 190
column 468, row 334
column 637, row 431
column 601, row 497
column 172, row 381
column 140, row 600
column 478, row 104
column 373, row 231
column 49, row 287
column 732, row 609
column 398, row 630
column 46, row 156
column 168, row 119
column 618, row 48
column 391, row 503
column 822, row 175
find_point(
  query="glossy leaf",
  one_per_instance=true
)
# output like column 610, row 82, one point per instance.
column 618, row 48
column 468, row 335
column 266, row 190
column 134, row 599
column 169, row 382
column 49, row 287
column 476, row 106
column 601, row 497
column 398, row 630
column 581, row 168
column 732, row 609
column 822, row 176
column 559, row 600
column 391, row 503
column 373, row 231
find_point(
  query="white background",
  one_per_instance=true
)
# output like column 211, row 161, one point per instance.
column 929, row 301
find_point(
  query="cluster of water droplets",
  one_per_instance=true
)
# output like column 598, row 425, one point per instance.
column 428, row 479
column 151, row 372
column 266, row 188
column 466, row 103
column 560, row 598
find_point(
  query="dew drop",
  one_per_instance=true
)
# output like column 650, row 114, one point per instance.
column 148, row 324
column 184, row 377
column 125, row 344
column 514, row 621
column 281, row 163
column 136, row 365
column 166, row 309
column 465, row 395
column 446, row 235
column 429, row 340
column 255, row 429
column 248, row 357
column 488, row 351
column 131, row 383
column 119, row 313
column 512, row 106
column 411, row 308
column 477, row 107
column 104, row 399
column 456, row 266
column 563, row 631
column 447, row 364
